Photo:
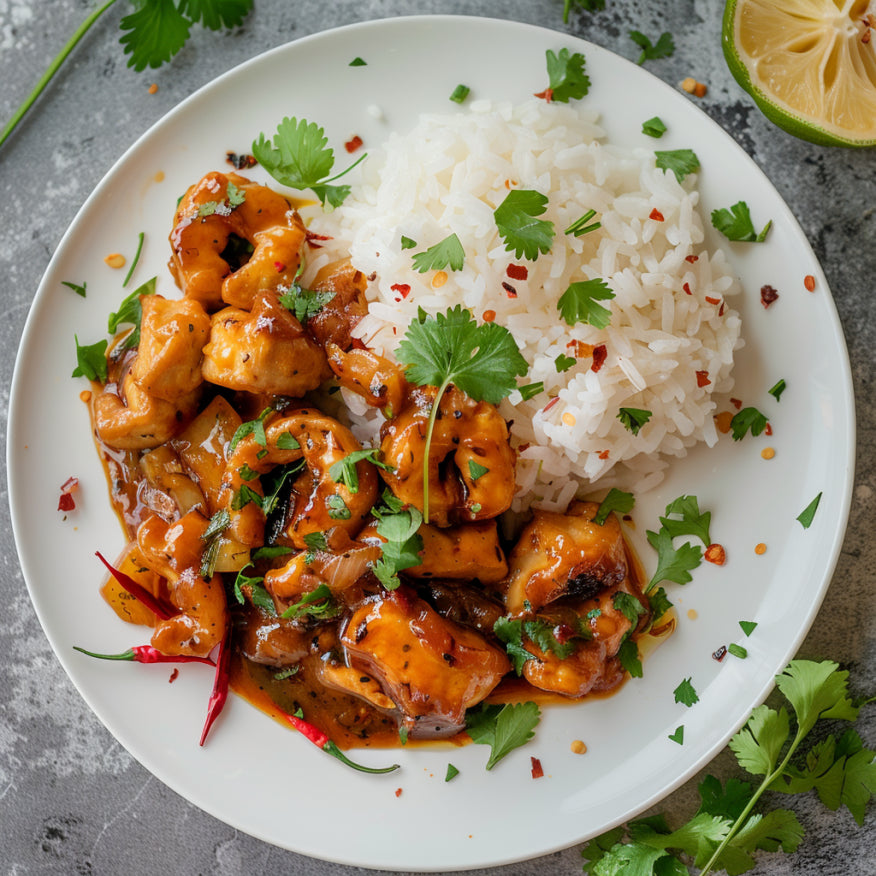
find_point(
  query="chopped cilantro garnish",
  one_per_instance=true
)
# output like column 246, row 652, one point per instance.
column 659, row 604
column 589, row 5
column 616, row 500
column 680, row 161
column 736, row 224
column 255, row 427
column 628, row 606
column 337, row 507
column 806, row 516
column 678, row 736
column 460, row 93
column 628, row 654
column 358, row 62
column 566, row 77
column 633, row 418
column 503, row 728
column 299, row 157
column 520, row 228
column 579, row 303
column 259, row 596
column 673, row 564
column 748, row 627
column 452, row 772
column 480, row 360
column 287, row 441
column 530, row 390
column 654, row 127
column 271, row 551
column 91, row 360
column 319, row 603
column 445, row 253
column 748, row 419
column 402, row 545
column 407, row 242
column 130, row 312
column 564, row 363
column 737, row 650
column 344, row 471
column 315, row 541
column 304, row 303
column 663, row 48
column 79, row 290
column 476, row 470
column 685, row 693
column 692, row 521
column 580, row 227
column 777, row 390
column 244, row 495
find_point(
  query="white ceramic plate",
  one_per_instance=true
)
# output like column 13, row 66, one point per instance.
column 255, row 775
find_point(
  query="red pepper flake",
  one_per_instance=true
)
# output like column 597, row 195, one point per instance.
column 768, row 295
column 66, row 502
column 403, row 289
column 692, row 258
column 221, row 680
column 312, row 236
column 603, row 454
column 720, row 654
column 656, row 215
column 737, row 403
column 809, row 283
column 173, row 676
column 353, row 144
column 716, row 554
column 721, row 309
column 713, row 300
column 489, row 315
column 600, row 353
column 686, row 288
column 537, row 771
column 550, row 404
column 510, row 291
column 517, row 272
column 703, row 378
column 768, row 429
column 398, row 792
column 280, row 266
column 547, row 94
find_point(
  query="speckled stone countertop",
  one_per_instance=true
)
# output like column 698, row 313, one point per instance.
column 71, row 799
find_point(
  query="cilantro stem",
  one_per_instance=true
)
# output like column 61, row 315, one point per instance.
column 52, row 69
column 743, row 816
column 357, row 162
column 136, row 254
column 429, row 429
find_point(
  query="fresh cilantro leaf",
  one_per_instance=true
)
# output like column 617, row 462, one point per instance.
column 728, row 801
column 777, row 390
column 255, row 427
column 258, row 594
column 445, row 253
column 358, row 62
column 663, row 48
column 672, row 564
column 542, row 635
column 216, row 14
column 631, row 859
column 816, row 690
column 616, row 500
column 275, row 482
column 599, row 846
column 212, row 535
column 633, row 418
column 246, row 473
column 807, row 515
column 476, row 470
column 566, row 77
column 564, row 363
column 299, row 156
column 581, row 227
column 748, row 627
column 91, row 360
column 678, row 735
column 759, row 743
column 692, row 521
column 460, row 93
column 79, row 290
column 452, row 772
column 503, row 728
column 510, row 633
column 407, row 242
column 287, row 441
column 315, row 541
column 579, row 303
column 344, row 471
column 271, row 552
column 319, row 603
column 686, row 694
column 680, row 161
column 628, row 606
column 654, row 127
column 628, row 654
column 530, row 390
column 481, row 360
column 337, row 508
column 153, row 33
column 516, row 220
column 659, row 604
column 748, row 419
column 303, row 303
column 589, row 5
column 736, row 224
column 402, row 546
column 130, row 312
column 243, row 496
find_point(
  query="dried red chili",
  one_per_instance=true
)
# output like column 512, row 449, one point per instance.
column 66, row 502
column 158, row 607
column 686, row 287
column 403, row 289
column 712, row 300
column 517, row 272
column 221, row 679
column 547, row 94
column 600, row 352
column 656, row 215
column 691, row 258
column 703, row 378
column 353, row 143
column 716, row 554
column 768, row 295
column 537, row 771
column 146, row 654
column 510, row 291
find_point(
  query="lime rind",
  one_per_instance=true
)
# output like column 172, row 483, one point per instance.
column 795, row 124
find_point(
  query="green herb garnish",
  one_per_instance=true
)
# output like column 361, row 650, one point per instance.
column 747, row 420
column 579, row 303
column 445, row 253
column 654, row 127
column 616, row 500
column 566, row 77
column 663, row 48
column 130, row 312
column 520, row 228
column 503, row 728
column 685, row 693
column 564, row 363
column 680, row 161
column 777, row 390
column 91, row 360
column 736, row 224
column 633, row 418
column 806, row 516
column 460, row 93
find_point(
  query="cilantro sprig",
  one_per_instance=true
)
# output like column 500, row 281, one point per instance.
column 451, row 348
column 130, row 312
column 503, row 728
column 735, row 224
column 520, row 228
column 152, row 34
column 663, row 48
column 682, row 517
column 298, row 156
column 727, row 830
column 566, row 77
column 399, row 526
column 580, row 303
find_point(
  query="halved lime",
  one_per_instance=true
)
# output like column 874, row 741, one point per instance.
column 810, row 65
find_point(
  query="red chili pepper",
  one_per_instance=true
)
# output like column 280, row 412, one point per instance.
column 517, row 272
column 600, row 353
column 537, row 770
column 321, row 740
column 547, row 94
column 220, row 685
column 656, row 215
column 159, row 607
column 146, row 654
column 691, row 258
column 353, row 143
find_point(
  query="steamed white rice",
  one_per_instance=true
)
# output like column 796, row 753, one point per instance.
column 447, row 176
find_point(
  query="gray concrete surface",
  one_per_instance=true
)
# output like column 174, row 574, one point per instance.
column 71, row 799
